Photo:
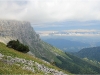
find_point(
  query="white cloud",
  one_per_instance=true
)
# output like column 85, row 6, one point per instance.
column 79, row 32
column 41, row 11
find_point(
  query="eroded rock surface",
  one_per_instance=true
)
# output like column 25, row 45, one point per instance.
column 30, row 65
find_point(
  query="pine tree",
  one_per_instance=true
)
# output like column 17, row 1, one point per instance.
column 18, row 46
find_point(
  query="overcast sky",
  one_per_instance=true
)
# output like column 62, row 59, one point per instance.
column 54, row 15
column 49, row 11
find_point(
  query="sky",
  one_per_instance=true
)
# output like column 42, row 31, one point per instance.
column 53, row 14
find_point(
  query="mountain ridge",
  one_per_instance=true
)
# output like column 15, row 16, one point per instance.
column 67, row 45
column 92, row 53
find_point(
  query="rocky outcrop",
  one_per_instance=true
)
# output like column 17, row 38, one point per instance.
column 11, row 29
column 21, row 30
column 30, row 65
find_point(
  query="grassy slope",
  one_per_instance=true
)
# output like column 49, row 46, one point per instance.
column 8, row 69
column 71, row 63
column 92, row 53
column 52, row 52
column 65, row 61
column 77, row 65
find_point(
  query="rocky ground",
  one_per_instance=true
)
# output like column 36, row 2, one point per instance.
column 29, row 65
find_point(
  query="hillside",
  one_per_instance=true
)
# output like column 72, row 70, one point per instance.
column 14, row 62
column 67, row 45
column 90, row 53
column 21, row 30
column 11, row 29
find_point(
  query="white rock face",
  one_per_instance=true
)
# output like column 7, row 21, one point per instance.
column 21, row 30
column 11, row 29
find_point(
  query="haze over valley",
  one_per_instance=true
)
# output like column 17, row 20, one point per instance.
column 69, row 40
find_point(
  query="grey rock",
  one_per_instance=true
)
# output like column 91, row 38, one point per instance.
column 21, row 30
column 26, row 67
column 1, row 56
column 29, row 65
column 47, row 70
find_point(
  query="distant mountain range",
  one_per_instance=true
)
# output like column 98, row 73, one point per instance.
column 67, row 45
column 92, row 53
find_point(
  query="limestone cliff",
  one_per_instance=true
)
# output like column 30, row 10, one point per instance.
column 21, row 30
column 11, row 29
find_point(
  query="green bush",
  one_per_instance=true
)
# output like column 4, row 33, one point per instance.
column 18, row 46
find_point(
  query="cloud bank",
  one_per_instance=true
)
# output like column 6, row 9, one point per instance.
column 78, row 32
column 48, row 11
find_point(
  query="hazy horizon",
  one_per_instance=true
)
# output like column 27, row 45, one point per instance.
column 54, row 15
